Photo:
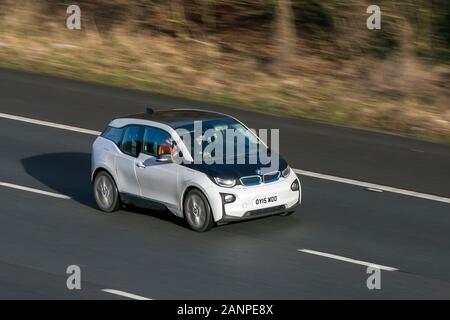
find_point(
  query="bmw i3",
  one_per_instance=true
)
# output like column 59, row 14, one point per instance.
column 163, row 158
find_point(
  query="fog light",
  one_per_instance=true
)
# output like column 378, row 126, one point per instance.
column 295, row 185
column 229, row 198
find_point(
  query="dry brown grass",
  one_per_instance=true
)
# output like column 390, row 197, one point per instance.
column 400, row 94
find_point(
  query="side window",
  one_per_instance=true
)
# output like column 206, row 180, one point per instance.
column 157, row 141
column 131, row 142
column 113, row 134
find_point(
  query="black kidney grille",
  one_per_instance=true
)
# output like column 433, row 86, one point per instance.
column 271, row 177
column 251, row 180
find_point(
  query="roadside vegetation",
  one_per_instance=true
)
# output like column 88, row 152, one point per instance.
column 301, row 58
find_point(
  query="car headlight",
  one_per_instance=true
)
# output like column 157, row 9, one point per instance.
column 227, row 183
column 285, row 173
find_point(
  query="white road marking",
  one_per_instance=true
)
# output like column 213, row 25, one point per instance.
column 333, row 256
column 46, row 193
column 374, row 190
column 125, row 294
column 49, row 124
column 372, row 186
column 366, row 185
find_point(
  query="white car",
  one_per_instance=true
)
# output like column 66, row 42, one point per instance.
column 142, row 160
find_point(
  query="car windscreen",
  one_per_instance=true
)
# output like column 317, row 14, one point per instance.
column 209, row 137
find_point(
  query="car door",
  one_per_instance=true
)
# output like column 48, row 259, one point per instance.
column 158, row 180
column 126, row 160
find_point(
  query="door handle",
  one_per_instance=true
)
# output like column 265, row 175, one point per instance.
column 140, row 165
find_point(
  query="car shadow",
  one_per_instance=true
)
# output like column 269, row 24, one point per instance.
column 68, row 173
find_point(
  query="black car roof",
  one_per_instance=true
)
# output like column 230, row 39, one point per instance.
column 177, row 117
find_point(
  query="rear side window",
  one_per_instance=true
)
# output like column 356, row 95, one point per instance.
column 113, row 134
column 132, row 141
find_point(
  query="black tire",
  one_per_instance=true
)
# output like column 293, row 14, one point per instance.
column 197, row 211
column 105, row 192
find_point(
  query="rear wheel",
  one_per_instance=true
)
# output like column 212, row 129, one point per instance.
column 197, row 211
column 105, row 192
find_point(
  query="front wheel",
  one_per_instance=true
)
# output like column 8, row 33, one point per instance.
column 197, row 211
column 105, row 192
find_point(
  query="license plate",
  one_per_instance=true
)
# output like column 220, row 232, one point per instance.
column 269, row 200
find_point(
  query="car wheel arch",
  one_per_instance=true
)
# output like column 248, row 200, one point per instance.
column 102, row 169
column 193, row 187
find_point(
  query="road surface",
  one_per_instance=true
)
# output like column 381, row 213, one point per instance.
column 48, row 218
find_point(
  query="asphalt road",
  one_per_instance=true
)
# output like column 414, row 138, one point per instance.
column 154, row 255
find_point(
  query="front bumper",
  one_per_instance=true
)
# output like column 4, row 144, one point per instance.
column 243, row 208
column 258, row 213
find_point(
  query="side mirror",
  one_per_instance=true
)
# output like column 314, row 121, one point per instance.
column 165, row 157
